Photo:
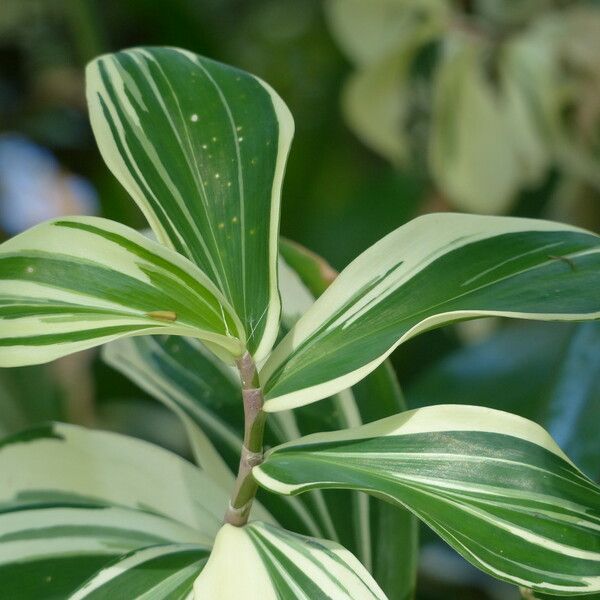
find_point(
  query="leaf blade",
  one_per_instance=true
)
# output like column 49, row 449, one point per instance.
column 167, row 571
column 274, row 563
column 74, row 283
column 496, row 487
column 84, row 467
column 434, row 270
column 201, row 147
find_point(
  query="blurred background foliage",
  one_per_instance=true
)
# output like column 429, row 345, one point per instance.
column 401, row 107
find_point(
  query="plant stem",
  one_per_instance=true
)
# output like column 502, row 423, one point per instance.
column 245, row 487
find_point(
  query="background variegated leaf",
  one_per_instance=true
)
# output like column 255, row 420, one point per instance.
column 434, row 270
column 201, row 147
column 471, row 152
column 495, row 486
column 272, row 563
column 369, row 31
column 78, row 282
column 383, row 39
column 209, row 396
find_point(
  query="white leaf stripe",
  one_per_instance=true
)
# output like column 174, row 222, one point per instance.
column 168, row 123
column 506, row 499
column 71, row 284
column 434, row 270
column 274, row 564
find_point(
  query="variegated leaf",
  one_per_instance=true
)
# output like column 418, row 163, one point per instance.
column 78, row 504
column 434, row 270
column 157, row 572
column 48, row 550
column 495, row 486
column 201, row 147
column 74, row 283
column 272, row 563
column 69, row 464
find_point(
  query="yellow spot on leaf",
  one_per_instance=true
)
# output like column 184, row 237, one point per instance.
column 162, row 315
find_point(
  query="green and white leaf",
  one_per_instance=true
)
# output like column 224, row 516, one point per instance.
column 49, row 550
column 494, row 486
column 201, row 147
column 79, row 505
column 432, row 271
column 65, row 463
column 157, row 572
column 75, row 283
column 272, row 563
